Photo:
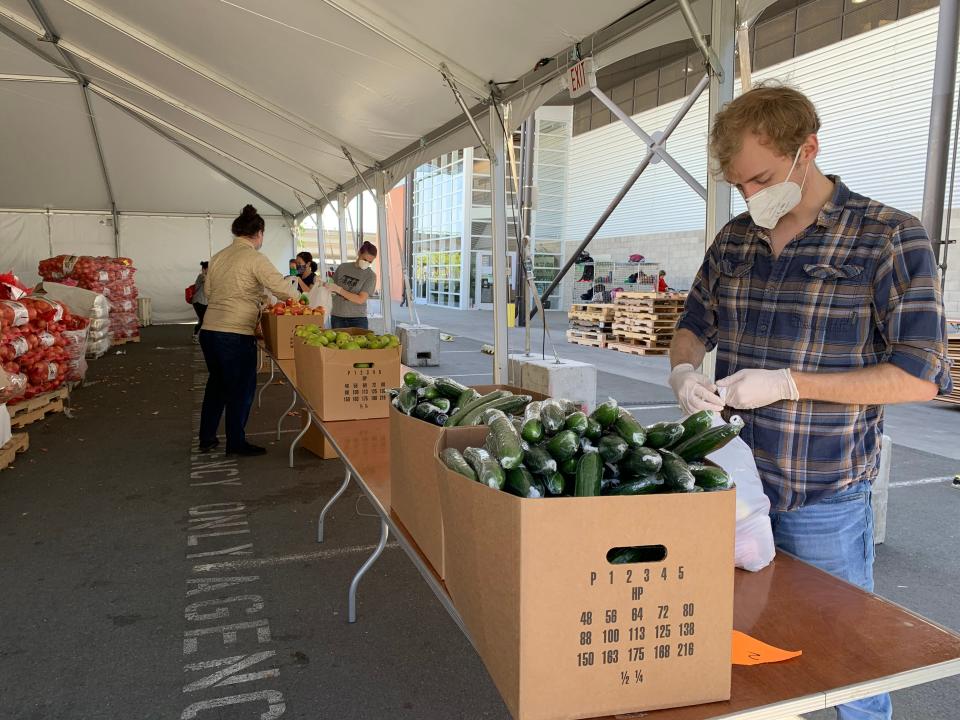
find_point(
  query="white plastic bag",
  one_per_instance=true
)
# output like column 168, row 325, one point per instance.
column 754, row 544
column 320, row 296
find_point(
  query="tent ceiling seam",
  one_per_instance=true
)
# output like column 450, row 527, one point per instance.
column 212, row 76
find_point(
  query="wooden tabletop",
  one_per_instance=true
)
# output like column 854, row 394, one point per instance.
column 854, row 644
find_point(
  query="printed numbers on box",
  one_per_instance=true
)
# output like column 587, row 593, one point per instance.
column 638, row 633
column 586, row 618
column 664, row 612
column 610, row 657
column 686, row 629
column 663, row 631
column 611, row 635
column 635, row 654
column 688, row 609
column 636, row 614
column 611, row 617
column 661, row 652
column 586, row 637
column 584, row 659
column 684, row 649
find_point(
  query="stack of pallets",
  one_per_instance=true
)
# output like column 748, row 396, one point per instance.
column 644, row 322
column 590, row 323
column 953, row 352
column 37, row 408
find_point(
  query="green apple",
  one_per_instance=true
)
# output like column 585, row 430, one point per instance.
column 351, row 346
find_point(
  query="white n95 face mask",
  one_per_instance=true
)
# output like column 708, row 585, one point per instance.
column 363, row 264
column 767, row 206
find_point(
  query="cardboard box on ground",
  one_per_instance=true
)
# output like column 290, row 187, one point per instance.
column 347, row 384
column 414, row 484
column 563, row 633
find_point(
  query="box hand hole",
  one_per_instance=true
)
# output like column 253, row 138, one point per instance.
column 636, row 554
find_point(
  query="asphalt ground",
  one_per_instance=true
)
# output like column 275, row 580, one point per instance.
column 117, row 536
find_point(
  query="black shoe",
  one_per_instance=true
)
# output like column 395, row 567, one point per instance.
column 247, row 450
column 207, row 447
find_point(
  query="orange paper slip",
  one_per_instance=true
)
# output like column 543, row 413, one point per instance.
column 750, row 651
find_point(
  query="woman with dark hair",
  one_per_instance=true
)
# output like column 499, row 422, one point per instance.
column 353, row 283
column 236, row 280
column 200, row 298
column 306, row 271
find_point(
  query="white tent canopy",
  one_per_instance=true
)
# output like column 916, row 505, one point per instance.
column 200, row 106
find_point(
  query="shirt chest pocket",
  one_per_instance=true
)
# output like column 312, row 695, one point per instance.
column 733, row 294
column 832, row 301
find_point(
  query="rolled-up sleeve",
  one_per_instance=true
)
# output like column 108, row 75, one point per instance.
column 699, row 311
column 910, row 305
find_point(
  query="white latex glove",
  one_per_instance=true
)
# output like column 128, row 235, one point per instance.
column 694, row 391
column 748, row 389
column 333, row 287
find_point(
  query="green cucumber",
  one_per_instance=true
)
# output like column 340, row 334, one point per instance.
column 505, row 441
column 487, row 469
column 594, row 430
column 676, row 474
column 508, row 405
column 538, row 460
column 393, row 393
column 701, row 445
column 612, row 448
column 428, row 392
column 552, row 416
column 467, row 396
column 710, row 477
column 407, row 399
column 563, row 445
column 453, row 459
column 640, row 486
column 625, row 556
column 640, row 462
column 576, row 421
column 449, row 388
column 606, row 413
column 627, row 427
column 531, row 428
column 568, row 468
column 430, row 413
column 554, row 483
column 589, row 475
column 663, row 434
column 695, row 424
column 442, row 403
column 522, row 483
column 416, row 379
column 477, row 402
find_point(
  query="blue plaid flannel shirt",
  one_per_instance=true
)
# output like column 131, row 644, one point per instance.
column 857, row 288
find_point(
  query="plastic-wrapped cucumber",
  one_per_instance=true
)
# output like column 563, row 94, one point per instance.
column 606, row 413
column 454, row 460
column 449, row 388
column 627, row 427
column 676, row 474
column 538, row 460
column 663, row 434
column 645, row 485
column 508, row 404
column 416, row 379
column 552, row 416
column 702, row 444
column 589, row 475
column 695, row 424
column 612, row 448
column 467, row 396
column 563, row 445
column 522, row 483
column 407, row 399
column 594, row 430
column 576, row 421
column 553, row 483
column 393, row 393
column 505, row 441
column 641, row 461
column 531, row 428
column 568, row 467
column 477, row 402
column 429, row 412
column 487, row 469
column 442, row 403
column 710, row 477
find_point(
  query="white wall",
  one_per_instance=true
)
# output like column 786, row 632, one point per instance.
column 873, row 95
column 166, row 250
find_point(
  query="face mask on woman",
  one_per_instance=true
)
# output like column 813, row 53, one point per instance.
column 363, row 264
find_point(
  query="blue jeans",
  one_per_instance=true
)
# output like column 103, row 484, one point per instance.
column 836, row 535
column 232, row 363
column 337, row 322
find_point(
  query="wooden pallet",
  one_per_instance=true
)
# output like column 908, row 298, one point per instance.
column 37, row 408
column 19, row 443
column 637, row 349
column 602, row 312
column 642, row 338
column 585, row 337
column 124, row 341
column 953, row 352
column 591, row 325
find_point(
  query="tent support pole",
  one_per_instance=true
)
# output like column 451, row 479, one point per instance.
column 383, row 252
column 723, row 24
column 498, row 231
column 941, row 111
column 342, row 225
column 650, row 142
column 465, row 109
column 715, row 65
column 667, row 132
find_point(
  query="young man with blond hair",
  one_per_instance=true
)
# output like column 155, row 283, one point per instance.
column 823, row 306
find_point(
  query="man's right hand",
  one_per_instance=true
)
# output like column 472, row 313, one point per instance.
column 694, row 390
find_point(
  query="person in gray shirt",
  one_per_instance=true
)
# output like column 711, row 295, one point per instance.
column 353, row 283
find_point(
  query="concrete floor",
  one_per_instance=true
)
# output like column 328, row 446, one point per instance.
column 116, row 535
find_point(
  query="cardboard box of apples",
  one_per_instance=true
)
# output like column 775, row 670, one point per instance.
column 279, row 321
column 316, row 336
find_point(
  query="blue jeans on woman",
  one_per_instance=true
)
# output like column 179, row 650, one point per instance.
column 836, row 535
column 232, row 362
column 337, row 322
